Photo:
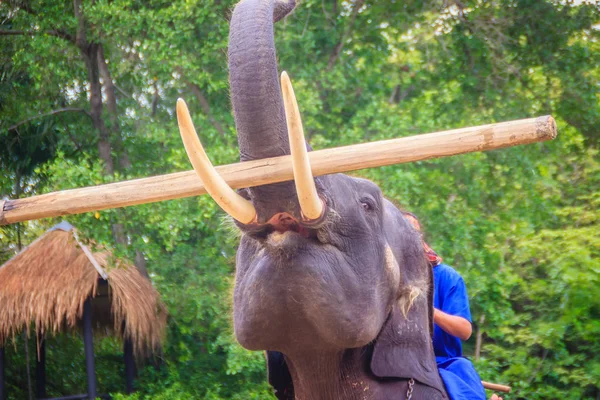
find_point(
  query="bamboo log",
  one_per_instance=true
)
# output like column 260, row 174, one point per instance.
column 496, row 387
column 279, row 169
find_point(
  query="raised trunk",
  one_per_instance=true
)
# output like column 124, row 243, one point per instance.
column 254, row 80
column 257, row 100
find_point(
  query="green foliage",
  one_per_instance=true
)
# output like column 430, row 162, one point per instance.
column 520, row 224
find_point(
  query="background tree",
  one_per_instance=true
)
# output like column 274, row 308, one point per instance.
column 87, row 96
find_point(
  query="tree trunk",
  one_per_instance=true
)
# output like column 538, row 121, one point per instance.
column 478, row 337
column 111, row 106
column 206, row 108
column 89, row 53
column 95, row 62
column 140, row 263
column 155, row 98
column 337, row 50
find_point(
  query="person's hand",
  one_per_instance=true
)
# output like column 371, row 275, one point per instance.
column 495, row 397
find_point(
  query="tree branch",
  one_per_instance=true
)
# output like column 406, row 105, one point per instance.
column 155, row 98
column 326, row 14
column 80, row 37
column 10, row 32
column 77, row 145
column 337, row 50
column 111, row 106
column 54, row 112
column 57, row 33
column 123, row 92
column 27, row 8
column 61, row 34
column 206, row 108
column 539, row 366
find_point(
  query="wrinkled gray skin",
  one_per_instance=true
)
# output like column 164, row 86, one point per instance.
column 323, row 293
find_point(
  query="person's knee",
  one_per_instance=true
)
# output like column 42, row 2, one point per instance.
column 463, row 363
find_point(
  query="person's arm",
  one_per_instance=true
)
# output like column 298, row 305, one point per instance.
column 452, row 324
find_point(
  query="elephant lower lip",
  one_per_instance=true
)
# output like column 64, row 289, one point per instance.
column 279, row 239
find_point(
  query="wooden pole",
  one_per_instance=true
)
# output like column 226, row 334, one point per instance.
column 496, row 387
column 2, row 374
column 279, row 169
column 129, row 365
column 89, row 349
column 40, row 369
column 27, row 362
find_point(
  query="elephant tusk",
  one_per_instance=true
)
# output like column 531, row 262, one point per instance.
column 231, row 202
column 310, row 202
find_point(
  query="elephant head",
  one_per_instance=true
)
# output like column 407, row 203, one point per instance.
column 328, row 271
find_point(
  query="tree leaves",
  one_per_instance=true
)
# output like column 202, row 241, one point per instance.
column 520, row 224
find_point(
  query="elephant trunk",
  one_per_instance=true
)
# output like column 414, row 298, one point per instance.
column 254, row 81
column 263, row 117
column 257, row 100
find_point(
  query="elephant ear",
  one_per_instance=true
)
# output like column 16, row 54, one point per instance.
column 404, row 346
column 404, row 349
column 279, row 376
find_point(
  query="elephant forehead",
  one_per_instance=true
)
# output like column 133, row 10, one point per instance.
column 350, row 187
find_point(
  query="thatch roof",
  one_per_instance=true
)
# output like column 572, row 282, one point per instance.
column 46, row 284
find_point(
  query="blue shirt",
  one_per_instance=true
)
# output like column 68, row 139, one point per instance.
column 449, row 296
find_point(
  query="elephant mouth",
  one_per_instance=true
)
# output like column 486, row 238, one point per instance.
column 282, row 229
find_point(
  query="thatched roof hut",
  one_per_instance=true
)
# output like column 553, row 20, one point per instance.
column 47, row 283
column 57, row 284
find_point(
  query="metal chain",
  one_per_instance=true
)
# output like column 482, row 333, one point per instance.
column 409, row 392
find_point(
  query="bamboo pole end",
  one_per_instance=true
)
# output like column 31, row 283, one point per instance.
column 3, row 220
column 545, row 127
column 496, row 387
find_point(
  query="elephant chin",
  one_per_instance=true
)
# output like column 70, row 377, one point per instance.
column 292, row 288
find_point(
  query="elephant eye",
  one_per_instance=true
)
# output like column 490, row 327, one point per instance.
column 367, row 204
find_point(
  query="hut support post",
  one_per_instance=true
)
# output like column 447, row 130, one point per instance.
column 40, row 369
column 89, row 348
column 2, row 386
column 129, row 365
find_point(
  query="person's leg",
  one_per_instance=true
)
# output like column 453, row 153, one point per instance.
column 279, row 376
column 461, row 380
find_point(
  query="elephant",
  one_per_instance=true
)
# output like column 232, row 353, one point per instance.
column 329, row 273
